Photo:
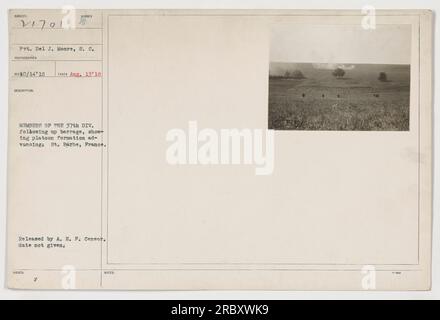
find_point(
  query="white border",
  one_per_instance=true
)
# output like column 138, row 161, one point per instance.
column 211, row 4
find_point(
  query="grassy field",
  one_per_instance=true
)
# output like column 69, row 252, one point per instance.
column 358, row 101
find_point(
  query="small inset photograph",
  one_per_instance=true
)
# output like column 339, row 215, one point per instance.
column 340, row 78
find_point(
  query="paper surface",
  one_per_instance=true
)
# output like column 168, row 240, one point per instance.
column 219, row 150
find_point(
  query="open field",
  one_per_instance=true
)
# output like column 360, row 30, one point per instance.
column 357, row 101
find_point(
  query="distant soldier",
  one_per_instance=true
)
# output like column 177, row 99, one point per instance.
column 339, row 95
column 303, row 95
column 323, row 95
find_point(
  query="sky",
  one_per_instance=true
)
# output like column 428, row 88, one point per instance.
column 340, row 44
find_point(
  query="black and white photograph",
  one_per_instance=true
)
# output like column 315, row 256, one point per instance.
column 340, row 78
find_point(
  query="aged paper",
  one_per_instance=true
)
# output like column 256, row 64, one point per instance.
column 269, row 150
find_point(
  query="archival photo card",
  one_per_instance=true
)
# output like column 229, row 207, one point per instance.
column 219, row 150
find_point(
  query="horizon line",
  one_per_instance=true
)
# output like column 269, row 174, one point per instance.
column 345, row 63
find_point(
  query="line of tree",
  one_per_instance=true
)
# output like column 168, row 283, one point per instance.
column 383, row 77
column 296, row 74
column 338, row 73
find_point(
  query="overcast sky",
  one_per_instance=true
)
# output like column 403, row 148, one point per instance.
column 388, row 44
